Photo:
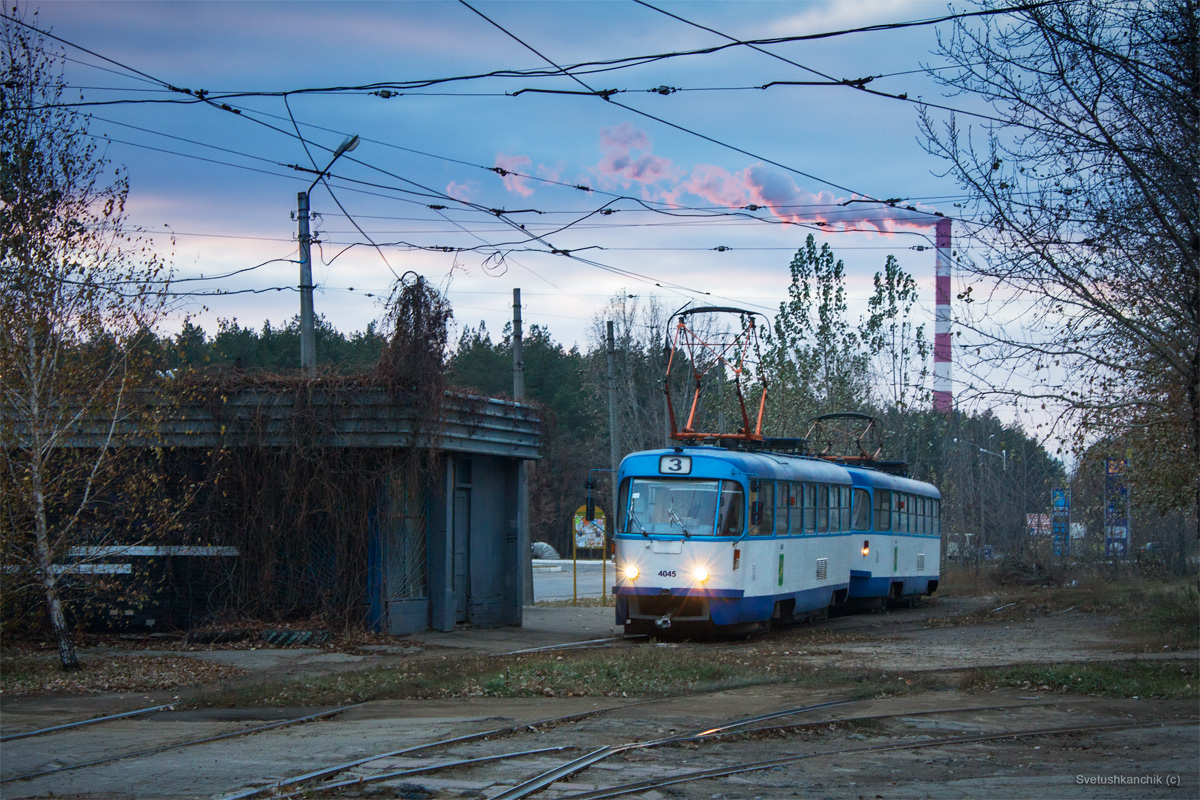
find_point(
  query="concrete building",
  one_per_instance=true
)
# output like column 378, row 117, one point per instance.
column 442, row 542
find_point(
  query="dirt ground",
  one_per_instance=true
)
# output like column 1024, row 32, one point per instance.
column 868, row 748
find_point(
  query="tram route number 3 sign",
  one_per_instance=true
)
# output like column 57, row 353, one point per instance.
column 589, row 535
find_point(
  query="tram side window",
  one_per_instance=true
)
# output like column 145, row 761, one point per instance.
column 835, row 519
column 846, row 508
column 732, row 500
column 810, row 507
column 898, row 512
column 762, row 508
column 937, row 517
column 822, row 509
column 924, row 515
column 860, row 510
column 783, row 506
column 883, row 509
column 796, row 509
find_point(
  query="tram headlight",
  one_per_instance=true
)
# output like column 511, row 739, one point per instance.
column 631, row 571
column 701, row 574
column 866, row 547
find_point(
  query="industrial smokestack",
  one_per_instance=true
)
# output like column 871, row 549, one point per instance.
column 943, row 388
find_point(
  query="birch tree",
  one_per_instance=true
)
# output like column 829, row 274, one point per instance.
column 76, row 289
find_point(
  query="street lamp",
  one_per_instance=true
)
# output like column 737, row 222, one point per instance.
column 308, row 340
column 1003, row 454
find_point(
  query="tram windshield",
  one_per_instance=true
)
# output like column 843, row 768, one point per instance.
column 686, row 508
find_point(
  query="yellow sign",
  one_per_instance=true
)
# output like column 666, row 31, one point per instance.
column 589, row 535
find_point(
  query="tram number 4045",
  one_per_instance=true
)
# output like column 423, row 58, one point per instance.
column 666, row 573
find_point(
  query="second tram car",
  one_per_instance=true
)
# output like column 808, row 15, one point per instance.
column 898, row 521
column 729, row 538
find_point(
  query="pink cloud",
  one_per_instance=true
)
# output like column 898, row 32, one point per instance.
column 462, row 191
column 518, row 184
column 764, row 186
column 551, row 173
column 627, row 158
column 789, row 202
column 718, row 186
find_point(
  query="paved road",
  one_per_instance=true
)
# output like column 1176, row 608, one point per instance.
column 552, row 579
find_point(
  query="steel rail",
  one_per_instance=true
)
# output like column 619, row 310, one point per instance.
column 82, row 722
column 387, row 776
column 866, row 717
column 178, row 745
column 541, row 781
column 587, row 643
column 721, row 772
column 273, row 787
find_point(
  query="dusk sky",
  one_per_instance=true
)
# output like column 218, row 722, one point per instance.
column 667, row 212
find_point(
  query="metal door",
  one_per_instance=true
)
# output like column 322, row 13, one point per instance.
column 462, row 552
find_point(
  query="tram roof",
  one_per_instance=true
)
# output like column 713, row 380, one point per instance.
column 763, row 464
column 877, row 479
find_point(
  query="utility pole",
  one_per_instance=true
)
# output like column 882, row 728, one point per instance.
column 614, row 449
column 524, row 543
column 518, row 350
column 308, row 339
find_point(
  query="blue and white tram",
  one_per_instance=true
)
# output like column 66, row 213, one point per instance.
column 898, row 521
column 711, row 536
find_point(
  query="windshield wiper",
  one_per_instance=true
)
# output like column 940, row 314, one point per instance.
column 633, row 518
column 675, row 519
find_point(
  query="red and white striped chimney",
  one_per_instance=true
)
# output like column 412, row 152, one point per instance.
column 943, row 388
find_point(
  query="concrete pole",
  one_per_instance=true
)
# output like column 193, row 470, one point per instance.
column 524, row 543
column 518, row 349
column 308, row 342
column 614, row 438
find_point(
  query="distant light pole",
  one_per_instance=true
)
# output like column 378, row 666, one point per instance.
column 308, row 339
column 1003, row 454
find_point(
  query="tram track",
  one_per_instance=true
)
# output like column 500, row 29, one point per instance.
column 289, row 783
column 325, row 782
column 178, row 745
column 84, row 722
column 746, row 726
column 310, row 777
column 737, row 769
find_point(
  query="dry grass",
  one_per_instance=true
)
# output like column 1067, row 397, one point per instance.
column 582, row 602
column 1137, row 679
column 28, row 672
column 1151, row 614
column 654, row 670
